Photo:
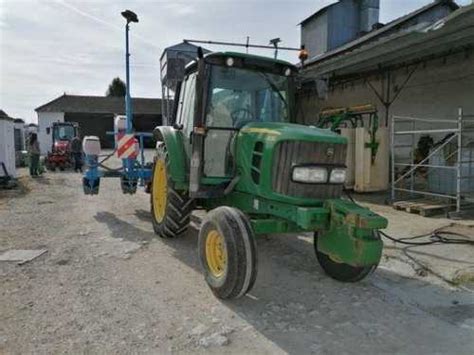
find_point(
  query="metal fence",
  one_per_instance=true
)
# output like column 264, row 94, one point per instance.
column 446, row 172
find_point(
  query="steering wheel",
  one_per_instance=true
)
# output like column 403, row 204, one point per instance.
column 241, row 117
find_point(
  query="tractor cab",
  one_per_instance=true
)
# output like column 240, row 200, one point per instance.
column 233, row 91
column 62, row 134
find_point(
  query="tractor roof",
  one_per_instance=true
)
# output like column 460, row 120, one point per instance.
column 255, row 59
column 245, row 55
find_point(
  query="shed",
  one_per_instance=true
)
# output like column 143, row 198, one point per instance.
column 95, row 116
column 19, row 134
column 7, row 146
column 337, row 24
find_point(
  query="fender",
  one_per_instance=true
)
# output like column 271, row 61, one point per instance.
column 177, row 157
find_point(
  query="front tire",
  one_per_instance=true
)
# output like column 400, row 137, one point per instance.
column 341, row 271
column 170, row 208
column 228, row 252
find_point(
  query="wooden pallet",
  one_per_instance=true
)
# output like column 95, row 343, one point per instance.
column 423, row 207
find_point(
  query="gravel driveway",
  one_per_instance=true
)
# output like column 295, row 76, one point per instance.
column 108, row 284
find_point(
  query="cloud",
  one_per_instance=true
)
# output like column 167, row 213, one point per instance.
column 77, row 46
column 179, row 9
column 101, row 21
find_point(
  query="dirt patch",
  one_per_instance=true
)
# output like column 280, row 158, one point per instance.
column 109, row 285
column 22, row 188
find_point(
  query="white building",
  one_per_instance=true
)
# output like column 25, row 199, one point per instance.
column 7, row 146
column 94, row 114
column 19, row 134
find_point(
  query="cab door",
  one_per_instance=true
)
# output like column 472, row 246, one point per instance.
column 185, row 110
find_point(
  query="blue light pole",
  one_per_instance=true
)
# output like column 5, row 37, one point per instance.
column 130, row 16
column 132, row 171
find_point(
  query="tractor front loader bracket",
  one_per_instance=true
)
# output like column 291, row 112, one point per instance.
column 352, row 237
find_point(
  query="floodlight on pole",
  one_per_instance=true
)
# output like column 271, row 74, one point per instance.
column 130, row 16
column 275, row 42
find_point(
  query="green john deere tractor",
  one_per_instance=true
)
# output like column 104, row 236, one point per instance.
column 233, row 150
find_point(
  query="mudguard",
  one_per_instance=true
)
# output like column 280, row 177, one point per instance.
column 352, row 236
column 177, row 156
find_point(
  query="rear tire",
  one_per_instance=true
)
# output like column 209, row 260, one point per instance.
column 341, row 271
column 170, row 209
column 228, row 252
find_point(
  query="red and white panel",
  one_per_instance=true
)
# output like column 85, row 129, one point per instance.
column 127, row 146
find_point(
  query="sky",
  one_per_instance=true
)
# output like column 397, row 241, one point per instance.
column 51, row 47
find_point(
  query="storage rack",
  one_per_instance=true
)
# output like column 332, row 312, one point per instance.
column 455, row 131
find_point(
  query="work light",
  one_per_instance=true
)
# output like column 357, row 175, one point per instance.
column 337, row 176
column 229, row 61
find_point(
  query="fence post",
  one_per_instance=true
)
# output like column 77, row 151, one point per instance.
column 392, row 152
column 459, row 163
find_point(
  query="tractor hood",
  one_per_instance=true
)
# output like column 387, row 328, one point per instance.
column 282, row 131
column 267, row 152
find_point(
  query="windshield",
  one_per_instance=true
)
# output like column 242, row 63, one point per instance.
column 240, row 96
column 65, row 132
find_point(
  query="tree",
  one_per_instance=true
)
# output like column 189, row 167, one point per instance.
column 116, row 88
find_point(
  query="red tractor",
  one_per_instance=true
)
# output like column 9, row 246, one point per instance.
column 60, row 155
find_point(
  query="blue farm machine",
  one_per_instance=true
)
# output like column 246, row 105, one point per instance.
column 129, row 145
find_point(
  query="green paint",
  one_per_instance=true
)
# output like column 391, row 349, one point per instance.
column 173, row 140
column 250, row 56
column 350, row 237
column 339, row 118
column 271, row 134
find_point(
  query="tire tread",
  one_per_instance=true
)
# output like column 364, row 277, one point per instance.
column 179, row 206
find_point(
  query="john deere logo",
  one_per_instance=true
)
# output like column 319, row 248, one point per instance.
column 330, row 152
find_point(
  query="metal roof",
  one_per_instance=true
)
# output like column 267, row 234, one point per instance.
column 391, row 26
column 456, row 31
column 4, row 116
column 184, row 47
column 317, row 13
column 100, row 104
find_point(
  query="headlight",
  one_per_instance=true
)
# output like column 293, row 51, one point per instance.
column 310, row 174
column 338, row 176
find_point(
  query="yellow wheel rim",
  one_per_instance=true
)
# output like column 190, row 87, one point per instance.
column 159, row 189
column 216, row 253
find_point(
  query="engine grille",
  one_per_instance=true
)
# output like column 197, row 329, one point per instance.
column 291, row 153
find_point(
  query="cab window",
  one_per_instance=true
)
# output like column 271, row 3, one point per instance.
column 186, row 103
column 240, row 96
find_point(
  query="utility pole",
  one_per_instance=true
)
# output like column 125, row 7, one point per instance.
column 130, row 16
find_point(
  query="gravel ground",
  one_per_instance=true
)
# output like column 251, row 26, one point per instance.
column 108, row 284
